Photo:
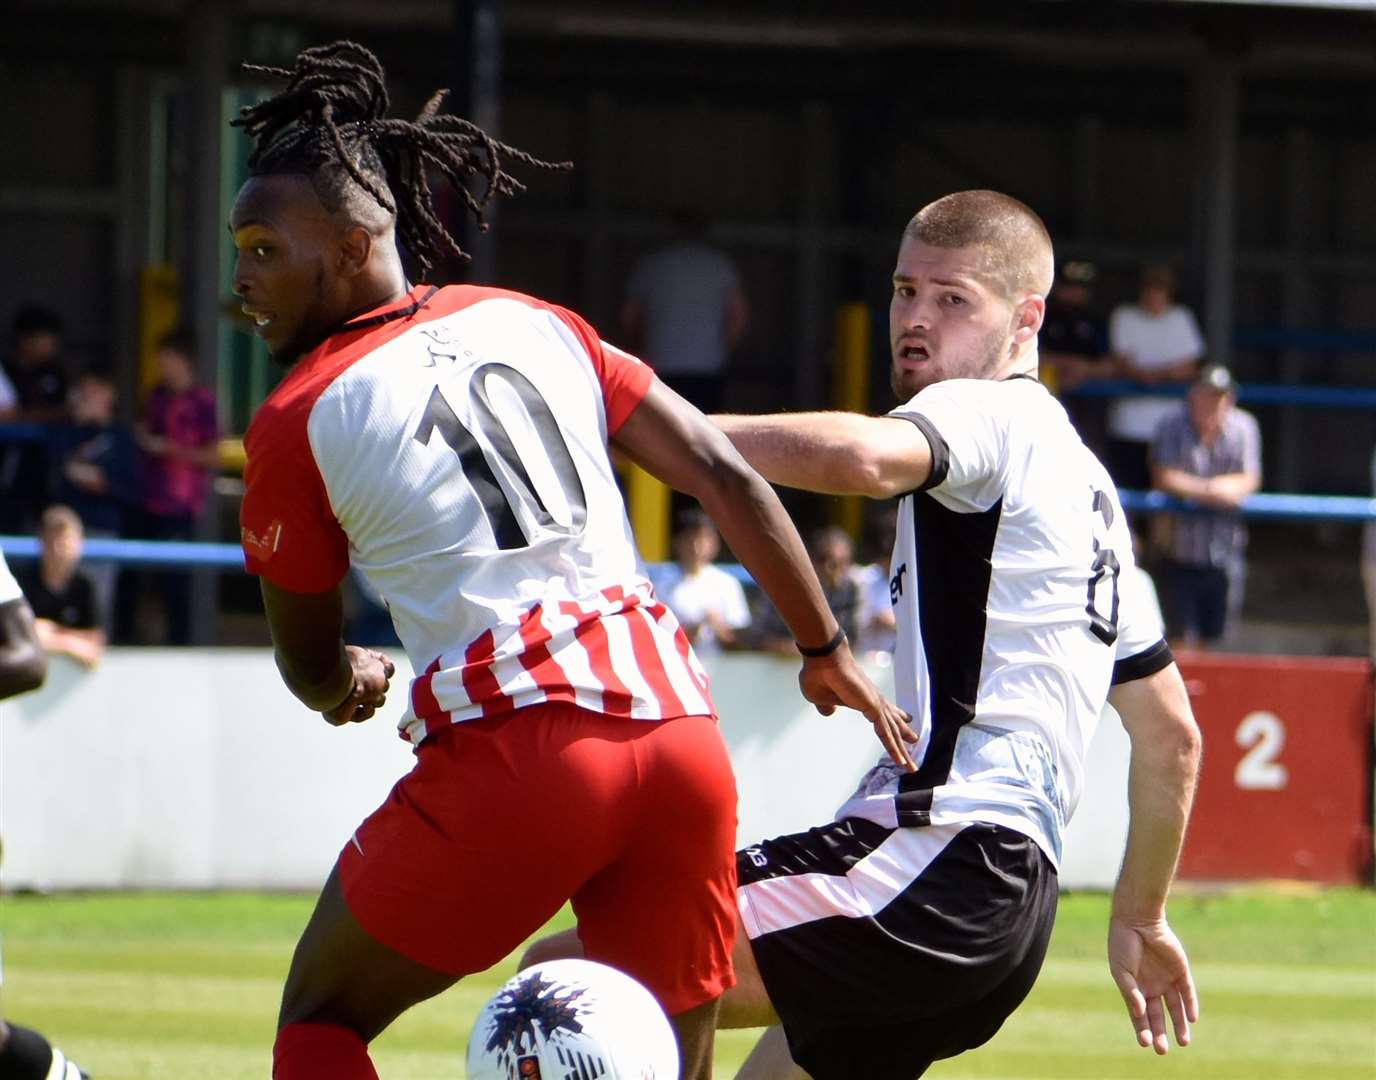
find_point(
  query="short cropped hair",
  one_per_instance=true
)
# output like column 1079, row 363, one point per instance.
column 1158, row 275
column 829, row 536
column 693, row 519
column 182, row 340
column 98, row 375
column 35, row 319
column 59, row 519
column 1017, row 248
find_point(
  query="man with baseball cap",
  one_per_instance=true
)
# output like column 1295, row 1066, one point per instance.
column 1208, row 452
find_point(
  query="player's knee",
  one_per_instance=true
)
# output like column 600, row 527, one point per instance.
column 561, row 946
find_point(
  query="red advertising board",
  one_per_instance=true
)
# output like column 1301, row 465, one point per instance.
column 1285, row 787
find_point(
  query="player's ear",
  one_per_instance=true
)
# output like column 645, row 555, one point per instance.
column 355, row 249
column 1027, row 318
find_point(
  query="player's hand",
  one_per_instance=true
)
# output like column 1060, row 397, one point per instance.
column 1153, row 974
column 836, row 679
column 372, row 672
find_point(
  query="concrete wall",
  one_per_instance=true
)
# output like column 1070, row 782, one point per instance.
column 196, row 769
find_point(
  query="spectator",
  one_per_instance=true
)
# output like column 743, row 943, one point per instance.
column 1207, row 453
column 1154, row 341
column 709, row 603
column 833, row 557
column 96, row 466
column 878, row 627
column 1073, row 345
column 35, row 367
column 34, row 371
column 179, row 437
column 61, row 594
column 685, row 311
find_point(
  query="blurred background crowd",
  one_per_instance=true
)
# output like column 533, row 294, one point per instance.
column 741, row 179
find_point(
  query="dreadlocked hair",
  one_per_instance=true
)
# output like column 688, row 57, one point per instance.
column 330, row 124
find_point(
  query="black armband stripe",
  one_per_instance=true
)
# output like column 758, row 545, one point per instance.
column 1143, row 664
column 941, row 453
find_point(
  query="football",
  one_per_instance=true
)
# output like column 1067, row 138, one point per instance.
column 572, row 1020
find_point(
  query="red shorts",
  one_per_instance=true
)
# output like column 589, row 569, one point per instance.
column 502, row 820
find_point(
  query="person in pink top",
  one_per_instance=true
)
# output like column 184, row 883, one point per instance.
column 179, row 436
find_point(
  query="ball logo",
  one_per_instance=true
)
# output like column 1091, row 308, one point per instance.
column 537, row 1006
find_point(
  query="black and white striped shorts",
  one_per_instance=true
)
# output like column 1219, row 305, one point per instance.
column 884, row 950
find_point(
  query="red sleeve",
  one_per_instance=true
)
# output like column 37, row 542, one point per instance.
column 287, row 529
column 625, row 380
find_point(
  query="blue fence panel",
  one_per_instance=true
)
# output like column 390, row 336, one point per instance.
column 1312, row 397
column 174, row 553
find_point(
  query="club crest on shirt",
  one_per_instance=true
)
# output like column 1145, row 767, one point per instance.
column 261, row 547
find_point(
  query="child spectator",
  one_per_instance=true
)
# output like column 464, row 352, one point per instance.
column 60, row 593
column 96, row 465
column 179, row 436
column 709, row 603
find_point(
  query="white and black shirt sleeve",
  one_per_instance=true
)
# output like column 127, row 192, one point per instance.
column 966, row 424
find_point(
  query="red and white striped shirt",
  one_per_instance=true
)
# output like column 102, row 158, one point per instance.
column 452, row 447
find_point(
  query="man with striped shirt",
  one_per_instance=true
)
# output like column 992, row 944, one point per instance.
column 1207, row 452
column 909, row 928
column 452, row 444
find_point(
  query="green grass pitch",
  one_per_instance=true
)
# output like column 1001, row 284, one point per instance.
column 160, row 986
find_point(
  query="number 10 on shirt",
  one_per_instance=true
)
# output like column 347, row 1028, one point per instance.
column 476, row 460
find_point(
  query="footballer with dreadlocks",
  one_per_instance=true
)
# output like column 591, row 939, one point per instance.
column 452, row 445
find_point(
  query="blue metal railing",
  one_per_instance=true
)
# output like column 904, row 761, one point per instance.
column 1264, row 506
column 1268, row 506
column 139, row 552
column 1313, row 397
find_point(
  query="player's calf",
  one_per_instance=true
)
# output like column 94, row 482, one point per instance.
column 561, row 946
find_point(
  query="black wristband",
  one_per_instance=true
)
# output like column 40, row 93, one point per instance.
column 825, row 650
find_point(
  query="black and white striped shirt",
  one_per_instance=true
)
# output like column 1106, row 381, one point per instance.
column 1013, row 616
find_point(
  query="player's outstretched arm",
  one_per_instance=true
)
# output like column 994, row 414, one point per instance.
column 671, row 440
column 1145, row 957
column 23, row 662
column 346, row 684
column 835, row 453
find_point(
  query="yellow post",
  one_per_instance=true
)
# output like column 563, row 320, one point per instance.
column 158, row 313
column 647, row 505
column 850, row 391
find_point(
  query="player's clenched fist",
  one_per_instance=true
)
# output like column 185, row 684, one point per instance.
column 372, row 672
